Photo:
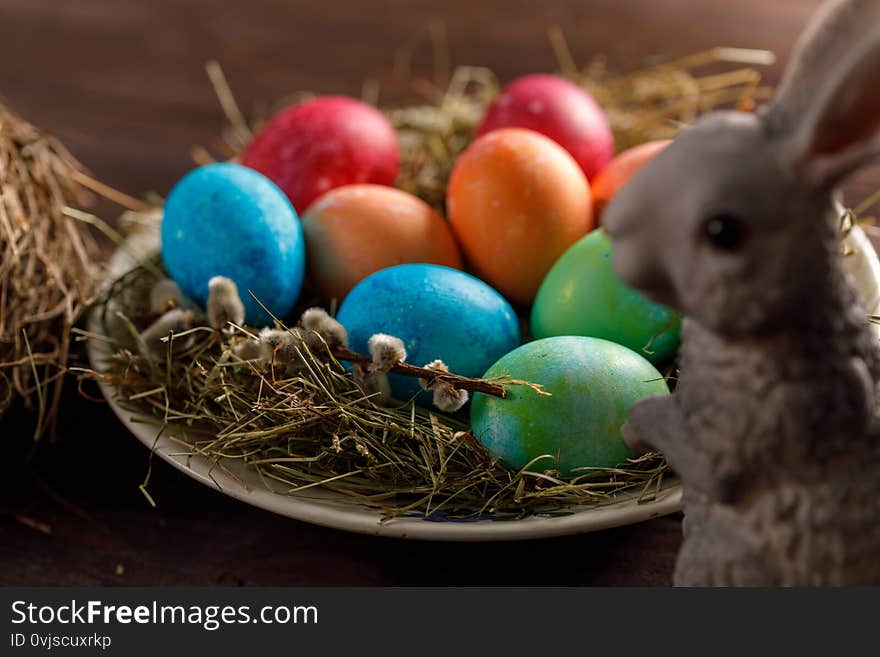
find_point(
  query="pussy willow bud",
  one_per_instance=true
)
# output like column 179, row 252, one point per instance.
column 173, row 322
column 374, row 383
column 319, row 321
column 224, row 304
column 165, row 295
column 386, row 351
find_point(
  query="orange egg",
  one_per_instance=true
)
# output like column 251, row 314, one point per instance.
column 355, row 230
column 516, row 202
column 619, row 170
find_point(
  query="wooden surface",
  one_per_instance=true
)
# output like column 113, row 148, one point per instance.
column 123, row 84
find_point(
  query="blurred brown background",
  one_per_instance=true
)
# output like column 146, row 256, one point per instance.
column 122, row 82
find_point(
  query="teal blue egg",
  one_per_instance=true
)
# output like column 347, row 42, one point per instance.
column 438, row 312
column 592, row 384
column 227, row 220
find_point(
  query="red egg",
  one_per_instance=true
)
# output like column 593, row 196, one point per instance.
column 558, row 109
column 321, row 144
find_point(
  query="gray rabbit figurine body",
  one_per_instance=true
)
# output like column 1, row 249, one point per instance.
column 774, row 425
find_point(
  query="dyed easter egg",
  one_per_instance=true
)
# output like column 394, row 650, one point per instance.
column 516, row 201
column 558, row 109
column 618, row 172
column 228, row 220
column 321, row 144
column 593, row 384
column 582, row 295
column 356, row 230
column 438, row 312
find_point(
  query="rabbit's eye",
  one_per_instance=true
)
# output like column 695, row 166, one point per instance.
column 725, row 232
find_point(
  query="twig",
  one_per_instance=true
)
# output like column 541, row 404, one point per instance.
column 227, row 101
column 110, row 193
column 459, row 382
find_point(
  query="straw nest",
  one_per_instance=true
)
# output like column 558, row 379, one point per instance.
column 317, row 427
column 46, row 265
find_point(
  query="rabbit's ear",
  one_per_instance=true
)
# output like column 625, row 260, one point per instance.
column 826, row 113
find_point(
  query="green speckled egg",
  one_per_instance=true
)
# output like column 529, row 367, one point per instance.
column 582, row 295
column 593, row 384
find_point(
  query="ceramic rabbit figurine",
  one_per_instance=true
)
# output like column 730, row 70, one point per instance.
column 773, row 428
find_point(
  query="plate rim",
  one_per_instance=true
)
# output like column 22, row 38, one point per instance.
column 360, row 519
column 327, row 511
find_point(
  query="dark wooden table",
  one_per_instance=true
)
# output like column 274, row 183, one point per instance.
column 123, row 84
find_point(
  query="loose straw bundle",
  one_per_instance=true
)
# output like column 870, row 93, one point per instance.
column 318, row 428
column 46, row 265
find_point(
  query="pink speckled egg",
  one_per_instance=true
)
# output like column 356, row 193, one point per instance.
column 558, row 109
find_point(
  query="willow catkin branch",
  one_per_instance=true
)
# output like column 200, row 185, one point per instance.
column 457, row 381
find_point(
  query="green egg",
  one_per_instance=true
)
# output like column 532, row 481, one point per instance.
column 582, row 295
column 592, row 384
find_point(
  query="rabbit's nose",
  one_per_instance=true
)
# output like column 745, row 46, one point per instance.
column 613, row 217
column 609, row 228
column 610, row 222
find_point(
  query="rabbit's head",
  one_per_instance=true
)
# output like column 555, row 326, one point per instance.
column 733, row 223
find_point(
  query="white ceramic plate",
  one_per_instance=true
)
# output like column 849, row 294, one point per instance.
column 334, row 510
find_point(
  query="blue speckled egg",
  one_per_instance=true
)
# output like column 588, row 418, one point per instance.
column 227, row 220
column 592, row 384
column 438, row 312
